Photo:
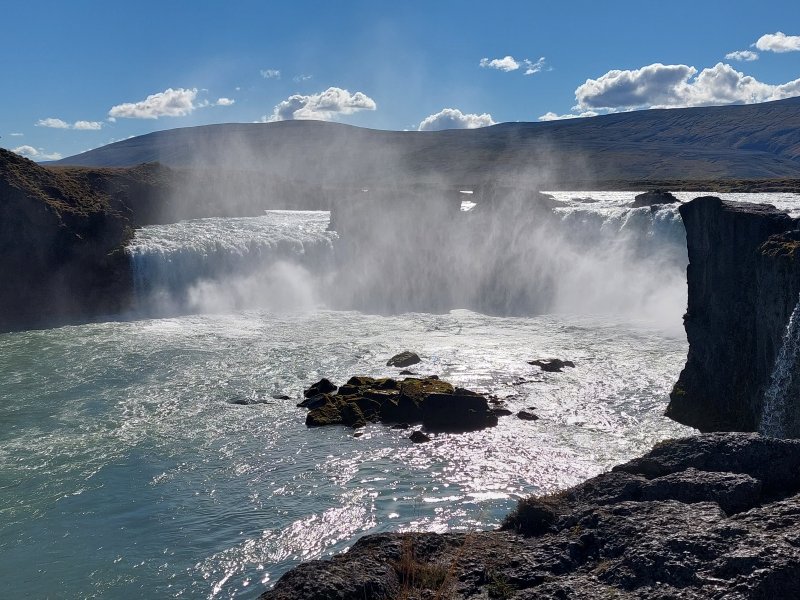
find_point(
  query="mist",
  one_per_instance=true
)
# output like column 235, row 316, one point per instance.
column 397, row 249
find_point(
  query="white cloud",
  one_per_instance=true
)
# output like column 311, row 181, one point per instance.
column 224, row 102
column 507, row 63
column 324, row 106
column 452, row 118
column 778, row 42
column 88, row 125
column 532, row 68
column 169, row 103
column 299, row 78
column 270, row 73
column 551, row 116
column 53, row 123
column 61, row 124
column 742, row 55
column 16, row 134
column 35, row 153
column 672, row 86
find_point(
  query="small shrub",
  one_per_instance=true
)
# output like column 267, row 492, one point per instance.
column 534, row 516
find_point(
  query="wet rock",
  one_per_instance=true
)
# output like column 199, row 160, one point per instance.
column 401, row 426
column 281, row 397
column 426, row 400
column 313, row 401
column 457, row 412
column 527, row 416
column 407, row 372
column 246, row 400
column 419, row 438
column 323, row 386
column 327, row 413
column 500, row 411
column 551, row 365
column 404, row 359
column 653, row 198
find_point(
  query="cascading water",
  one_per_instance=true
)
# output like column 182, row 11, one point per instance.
column 579, row 258
column 218, row 264
column 774, row 410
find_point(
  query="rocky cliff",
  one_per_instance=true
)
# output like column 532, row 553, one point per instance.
column 713, row 516
column 61, row 247
column 743, row 281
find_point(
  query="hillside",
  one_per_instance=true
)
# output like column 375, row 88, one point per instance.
column 757, row 141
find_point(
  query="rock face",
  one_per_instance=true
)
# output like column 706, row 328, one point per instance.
column 434, row 403
column 743, row 282
column 61, row 247
column 712, row 516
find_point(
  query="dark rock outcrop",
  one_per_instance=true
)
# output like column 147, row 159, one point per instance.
column 743, row 284
column 434, row 403
column 419, row 437
column 61, row 248
column 527, row 416
column 703, row 517
column 653, row 198
column 551, row 365
column 404, row 359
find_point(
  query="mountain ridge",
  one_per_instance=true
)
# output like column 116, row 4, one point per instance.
column 754, row 141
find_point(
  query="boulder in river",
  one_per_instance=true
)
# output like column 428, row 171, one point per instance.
column 427, row 400
column 404, row 359
column 653, row 198
column 551, row 365
column 418, row 437
column 527, row 416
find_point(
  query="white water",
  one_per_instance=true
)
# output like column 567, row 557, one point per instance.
column 774, row 411
column 222, row 264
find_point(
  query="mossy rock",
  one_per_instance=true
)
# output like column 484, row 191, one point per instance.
column 327, row 414
column 351, row 414
column 417, row 389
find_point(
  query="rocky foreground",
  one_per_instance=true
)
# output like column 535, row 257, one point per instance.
column 711, row 516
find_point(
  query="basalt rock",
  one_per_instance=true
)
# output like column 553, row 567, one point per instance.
column 430, row 401
column 692, row 519
column 551, row 365
column 743, row 284
column 653, row 198
column 404, row 359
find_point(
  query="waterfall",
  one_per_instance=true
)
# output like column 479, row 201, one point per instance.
column 774, row 410
column 219, row 264
column 516, row 259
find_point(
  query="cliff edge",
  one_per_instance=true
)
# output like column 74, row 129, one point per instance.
column 61, row 247
column 743, row 285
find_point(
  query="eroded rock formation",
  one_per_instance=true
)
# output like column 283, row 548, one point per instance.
column 743, row 284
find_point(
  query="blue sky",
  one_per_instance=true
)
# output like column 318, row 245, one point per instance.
column 81, row 74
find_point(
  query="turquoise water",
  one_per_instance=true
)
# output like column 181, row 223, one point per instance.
column 126, row 473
